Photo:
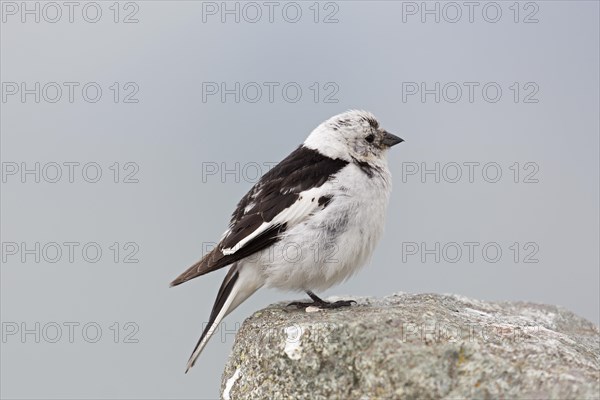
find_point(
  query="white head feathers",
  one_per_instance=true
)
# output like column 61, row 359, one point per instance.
column 352, row 135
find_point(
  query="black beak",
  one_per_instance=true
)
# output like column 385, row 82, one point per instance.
column 390, row 140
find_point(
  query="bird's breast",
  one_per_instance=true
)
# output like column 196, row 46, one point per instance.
column 333, row 243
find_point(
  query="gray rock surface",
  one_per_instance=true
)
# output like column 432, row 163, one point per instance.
column 415, row 346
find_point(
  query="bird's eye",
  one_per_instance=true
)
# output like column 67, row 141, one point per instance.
column 370, row 138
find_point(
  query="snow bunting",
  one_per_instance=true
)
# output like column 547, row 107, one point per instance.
column 309, row 223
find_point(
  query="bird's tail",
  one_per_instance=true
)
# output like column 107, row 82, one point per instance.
column 236, row 287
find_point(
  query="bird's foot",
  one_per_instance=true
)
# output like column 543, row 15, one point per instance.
column 320, row 303
column 323, row 305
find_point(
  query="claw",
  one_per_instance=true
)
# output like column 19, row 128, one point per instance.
column 323, row 304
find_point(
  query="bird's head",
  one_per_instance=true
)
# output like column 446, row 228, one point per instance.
column 353, row 135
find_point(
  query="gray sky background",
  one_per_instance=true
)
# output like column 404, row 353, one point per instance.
column 373, row 58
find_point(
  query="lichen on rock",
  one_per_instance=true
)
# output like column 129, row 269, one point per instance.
column 415, row 346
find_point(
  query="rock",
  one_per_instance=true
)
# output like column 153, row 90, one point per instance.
column 415, row 346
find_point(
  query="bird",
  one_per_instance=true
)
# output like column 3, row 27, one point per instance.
column 308, row 223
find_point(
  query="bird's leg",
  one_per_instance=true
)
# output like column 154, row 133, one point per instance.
column 320, row 303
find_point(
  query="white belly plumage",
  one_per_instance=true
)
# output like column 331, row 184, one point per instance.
column 331, row 245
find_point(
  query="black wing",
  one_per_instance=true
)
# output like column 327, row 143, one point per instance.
column 276, row 191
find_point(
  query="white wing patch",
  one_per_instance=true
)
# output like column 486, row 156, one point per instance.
column 294, row 214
